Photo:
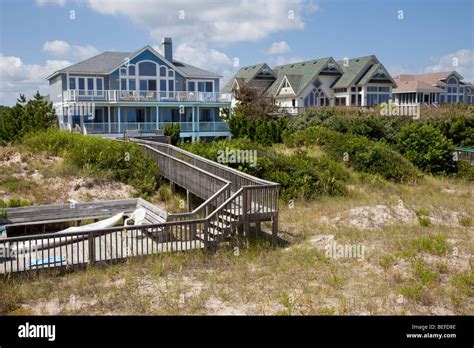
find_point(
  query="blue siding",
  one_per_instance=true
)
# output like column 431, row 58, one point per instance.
column 145, row 55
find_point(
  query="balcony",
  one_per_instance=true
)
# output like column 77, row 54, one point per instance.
column 151, row 127
column 114, row 96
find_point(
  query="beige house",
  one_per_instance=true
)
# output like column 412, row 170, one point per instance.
column 434, row 88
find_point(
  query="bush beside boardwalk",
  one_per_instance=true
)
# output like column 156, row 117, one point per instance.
column 123, row 161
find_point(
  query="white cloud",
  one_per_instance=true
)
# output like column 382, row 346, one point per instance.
column 280, row 47
column 462, row 61
column 201, row 56
column 17, row 77
column 46, row 2
column 60, row 48
column 209, row 20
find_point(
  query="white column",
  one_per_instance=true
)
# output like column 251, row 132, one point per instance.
column 119, row 117
column 193, row 122
column 157, row 110
column 197, row 120
column 108, row 118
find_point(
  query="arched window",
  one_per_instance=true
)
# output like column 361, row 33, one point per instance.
column 452, row 81
column 312, row 98
column 162, row 71
column 147, row 69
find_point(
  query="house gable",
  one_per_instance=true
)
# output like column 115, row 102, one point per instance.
column 286, row 87
column 147, row 54
column 376, row 74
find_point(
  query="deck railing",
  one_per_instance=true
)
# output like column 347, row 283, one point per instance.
column 74, row 95
column 151, row 127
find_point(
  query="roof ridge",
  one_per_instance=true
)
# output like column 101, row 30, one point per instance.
column 301, row 62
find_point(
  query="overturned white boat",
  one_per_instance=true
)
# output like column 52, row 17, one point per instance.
column 40, row 244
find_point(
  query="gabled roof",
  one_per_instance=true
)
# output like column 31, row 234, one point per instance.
column 244, row 75
column 300, row 74
column 294, row 81
column 107, row 62
column 373, row 71
column 353, row 70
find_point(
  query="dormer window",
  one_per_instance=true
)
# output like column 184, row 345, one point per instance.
column 452, row 81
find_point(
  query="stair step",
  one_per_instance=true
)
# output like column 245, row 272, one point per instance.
column 220, row 224
column 227, row 218
column 213, row 234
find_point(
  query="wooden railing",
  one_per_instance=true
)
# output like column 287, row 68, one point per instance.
column 238, row 178
column 232, row 200
column 67, row 249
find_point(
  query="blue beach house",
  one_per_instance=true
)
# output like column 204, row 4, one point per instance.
column 116, row 92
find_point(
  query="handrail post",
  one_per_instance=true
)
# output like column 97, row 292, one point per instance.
column 206, row 234
column 91, row 248
column 245, row 217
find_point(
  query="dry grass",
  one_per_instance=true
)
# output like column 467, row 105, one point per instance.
column 44, row 179
column 407, row 268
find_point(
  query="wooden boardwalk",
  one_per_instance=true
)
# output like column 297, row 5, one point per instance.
column 232, row 201
column 107, row 247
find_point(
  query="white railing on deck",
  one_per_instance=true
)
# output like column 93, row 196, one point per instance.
column 151, row 127
column 147, row 96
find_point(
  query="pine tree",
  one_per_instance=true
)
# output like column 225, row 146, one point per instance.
column 26, row 116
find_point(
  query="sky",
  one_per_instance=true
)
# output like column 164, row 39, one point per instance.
column 38, row 37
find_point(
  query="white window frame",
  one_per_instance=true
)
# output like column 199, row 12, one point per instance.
column 137, row 77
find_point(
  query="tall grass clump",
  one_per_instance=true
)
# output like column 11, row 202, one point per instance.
column 121, row 161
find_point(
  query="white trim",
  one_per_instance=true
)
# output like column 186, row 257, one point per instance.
column 284, row 79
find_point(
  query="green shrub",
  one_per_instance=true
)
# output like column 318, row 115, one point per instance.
column 427, row 148
column 265, row 131
column 456, row 125
column 465, row 171
column 173, row 130
column 346, row 120
column 123, row 161
column 359, row 152
column 300, row 175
